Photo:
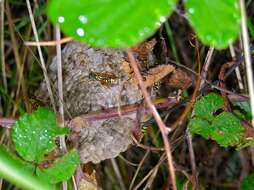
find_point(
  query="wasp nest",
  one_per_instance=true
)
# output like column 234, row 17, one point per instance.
column 96, row 79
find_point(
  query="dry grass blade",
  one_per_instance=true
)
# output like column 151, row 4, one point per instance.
column 138, row 169
column 118, row 173
column 60, row 95
column 19, row 65
column 40, row 55
column 247, row 56
column 50, row 43
column 237, row 70
column 2, row 43
column 162, row 158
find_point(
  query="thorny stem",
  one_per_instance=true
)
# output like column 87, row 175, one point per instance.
column 125, row 110
column 103, row 114
column 156, row 116
column 247, row 57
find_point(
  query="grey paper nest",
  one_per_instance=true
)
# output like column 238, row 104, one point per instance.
column 94, row 79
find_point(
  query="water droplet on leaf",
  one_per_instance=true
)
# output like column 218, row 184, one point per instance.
column 162, row 19
column 61, row 19
column 83, row 19
column 191, row 10
column 141, row 33
column 80, row 32
column 157, row 24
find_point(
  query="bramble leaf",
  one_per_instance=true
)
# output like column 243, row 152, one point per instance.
column 245, row 108
column 61, row 170
column 227, row 130
column 33, row 135
column 207, row 105
column 110, row 23
column 216, row 22
column 200, row 127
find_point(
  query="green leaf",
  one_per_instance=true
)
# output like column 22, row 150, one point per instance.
column 207, row 105
column 248, row 183
column 216, row 22
column 109, row 23
column 227, row 130
column 20, row 174
column 200, row 127
column 33, row 135
column 62, row 169
column 250, row 27
column 245, row 107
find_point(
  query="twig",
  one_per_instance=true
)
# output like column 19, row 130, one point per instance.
column 237, row 70
column 151, row 179
column 189, row 106
column 75, row 186
column 145, row 147
column 162, row 158
column 60, row 94
column 224, row 67
column 214, row 84
column 2, row 44
column 60, row 86
column 206, row 66
column 247, row 57
column 156, row 116
column 49, row 43
column 192, row 156
column 42, row 62
column 127, row 161
column 118, row 174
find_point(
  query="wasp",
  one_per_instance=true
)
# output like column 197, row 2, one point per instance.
column 105, row 78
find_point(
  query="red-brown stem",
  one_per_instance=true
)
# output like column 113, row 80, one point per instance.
column 156, row 116
column 104, row 114
column 6, row 121
column 125, row 110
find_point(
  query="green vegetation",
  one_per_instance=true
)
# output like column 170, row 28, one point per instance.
column 30, row 157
